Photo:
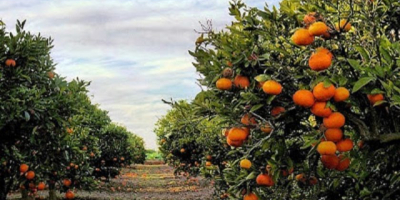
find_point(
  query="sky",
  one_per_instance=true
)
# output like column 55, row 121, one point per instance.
column 134, row 52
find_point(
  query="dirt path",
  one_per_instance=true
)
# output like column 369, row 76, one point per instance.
column 153, row 182
column 148, row 182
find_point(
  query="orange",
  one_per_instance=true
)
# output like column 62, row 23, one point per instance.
column 30, row 175
column 50, row 75
column 345, row 145
column 69, row 195
column 312, row 180
column 318, row 28
column 322, row 93
column 326, row 148
column 182, row 151
column 330, row 161
column 320, row 61
column 41, row 186
column 266, row 128
column 247, row 119
column 67, row 182
column 335, row 120
column 224, row 84
column 343, row 26
column 287, row 172
column 300, row 177
column 208, row 163
column 272, row 87
column 324, row 51
column 303, row 98
column 241, row 82
column 334, row 134
column 10, row 63
column 319, row 109
column 250, row 196
column 309, row 18
column 229, row 63
column 344, row 163
column 264, row 180
column 234, row 143
column 245, row 164
column 23, row 168
column 70, row 130
column 302, row 37
column 237, row 134
column 373, row 98
column 208, row 157
column 275, row 111
column 341, row 94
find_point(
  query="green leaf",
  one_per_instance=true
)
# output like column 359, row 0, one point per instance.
column 363, row 52
column 262, row 77
column 256, row 107
column 354, row 64
column 27, row 116
column 361, row 83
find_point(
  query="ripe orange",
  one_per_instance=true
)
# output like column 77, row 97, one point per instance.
column 69, row 195
column 67, row 182
column 234, row 143
column 182, row 151
column 309, row 18
column 345, row 145
column 334, row 134
column 245, row 164
column 373, row 98
column 319, row 109
column 247, row 119
column 41, row 186
column 272, row 87
column 265, row 180
column 208, row 157
column 323, row 50
column 318, row 28
column 208, row 163
column 70, row 130
column 341, row 94
column 10, row 63
column 237, row 133
column 330, row 161
column 30, row 175
column 241, row 82
column 50, row 75
column 23, row 168
column 320, row 61
column 343, row 26
column 250, row 196
column 275, row 111
column 287, row 172
column 266, row 128
column 302, row 37
column 335, row 120
column 326, row 148
column 304, row 98
column 300, row 177
column 344, row 163
column 224, row 84
column 322, row 93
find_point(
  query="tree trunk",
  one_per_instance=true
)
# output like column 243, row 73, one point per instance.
column 52, row 194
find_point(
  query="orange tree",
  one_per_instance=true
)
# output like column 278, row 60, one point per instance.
column 118, row 147
column 310, row 92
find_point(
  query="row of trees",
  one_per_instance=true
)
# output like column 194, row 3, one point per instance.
column 51, row 134
column 306, row 97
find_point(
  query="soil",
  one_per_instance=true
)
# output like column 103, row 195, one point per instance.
column 149, row 181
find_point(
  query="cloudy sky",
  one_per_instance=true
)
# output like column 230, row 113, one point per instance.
column 133, row 51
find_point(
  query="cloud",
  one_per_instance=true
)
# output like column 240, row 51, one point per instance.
column 134, row 52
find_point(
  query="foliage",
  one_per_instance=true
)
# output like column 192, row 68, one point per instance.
column 258, row 45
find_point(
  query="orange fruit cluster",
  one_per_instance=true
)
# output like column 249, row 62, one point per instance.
column 317, row 100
